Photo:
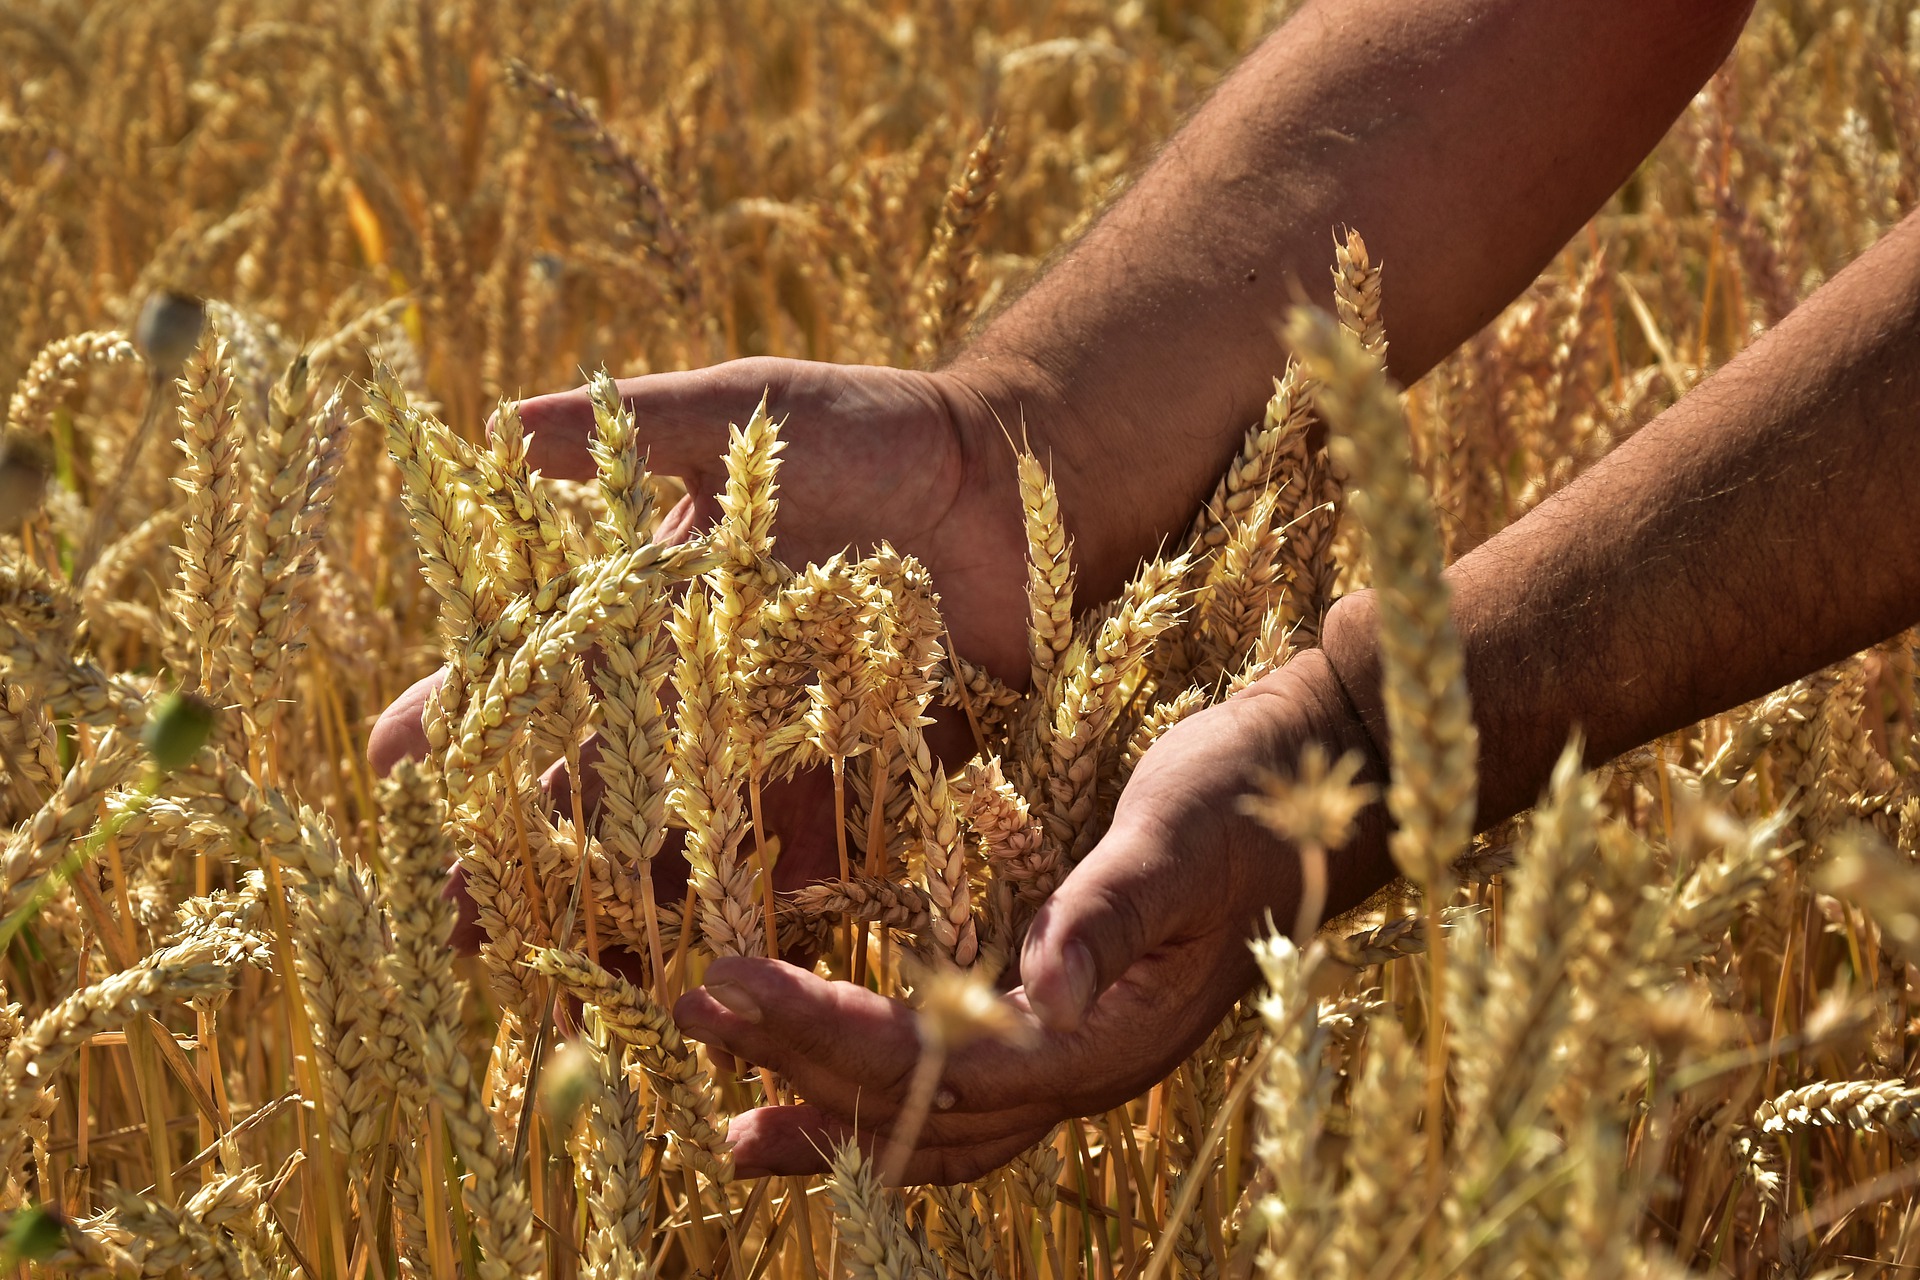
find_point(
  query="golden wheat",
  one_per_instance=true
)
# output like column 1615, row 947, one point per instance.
column 1659, row 1024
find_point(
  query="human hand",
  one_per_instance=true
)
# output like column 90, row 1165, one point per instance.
column 872, row 454
column 800, row 809
column 916, row 459
column 1129, row 965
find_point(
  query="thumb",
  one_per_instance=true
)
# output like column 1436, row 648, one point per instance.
column 1113, row 909
column 400, row 732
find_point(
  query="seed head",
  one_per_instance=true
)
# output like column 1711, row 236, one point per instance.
column 25, row 463
column 567, row 1085
column 177, row 730
column 168, row 330
column 32, row 1234
column 960, row 1006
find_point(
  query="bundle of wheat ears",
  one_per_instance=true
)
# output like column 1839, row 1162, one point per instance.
column 1658, row 1025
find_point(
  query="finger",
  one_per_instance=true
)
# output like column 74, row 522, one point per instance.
column 851, row 1051
column 800, row 1140
column 784, row 1141
column 693, row 514
column 681, row 417
column 836, row 1042
column 1111, row 910
column 467, row 931
column 399, row 733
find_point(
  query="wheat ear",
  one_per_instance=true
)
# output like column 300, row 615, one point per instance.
column 872, row 1223
column 1431, row 738
column 180, row 972
column 39, row 630
column 608, row 595
column 417, row 855
column 536, row 545
column 1356, row 294
column 1310, row 507
column 358, row 1029
column 620, row 468
column 213, row 525
column 1430, row 729
column 631, row 1017
column 55, row 370
column 1090, row 693
column 1049, row 571
column 609, row 1152
column 952, row 289
column 707, row 778
column 582, row 131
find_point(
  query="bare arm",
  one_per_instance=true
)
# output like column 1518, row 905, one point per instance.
column 1467, row 139
column 1763, row 527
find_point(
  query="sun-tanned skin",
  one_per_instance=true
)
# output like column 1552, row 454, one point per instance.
column 1761, row 528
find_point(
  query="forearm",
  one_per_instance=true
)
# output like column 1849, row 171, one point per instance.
column 1763, row 527
column 1466, row 139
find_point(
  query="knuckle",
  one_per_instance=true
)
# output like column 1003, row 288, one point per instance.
column 947, row 1167
column 894, row 1081
column 1123, row 919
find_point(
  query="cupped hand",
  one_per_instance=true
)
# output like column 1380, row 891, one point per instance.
column 872, row 454
column 800, row 810
column 1128, row 966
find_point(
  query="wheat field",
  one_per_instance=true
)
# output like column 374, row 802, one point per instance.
column 269, row 270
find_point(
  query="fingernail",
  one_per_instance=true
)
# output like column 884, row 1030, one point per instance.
column 736, row 1000
column 1076, row 962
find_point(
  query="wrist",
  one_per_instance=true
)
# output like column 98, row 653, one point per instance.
column 1118, row 499
column 999, row 403
column 1520, row 735
column 1308, row 703
column 1349, row 646
column 1309, row 692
